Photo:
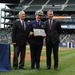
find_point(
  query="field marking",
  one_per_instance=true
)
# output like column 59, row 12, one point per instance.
column 27, row 57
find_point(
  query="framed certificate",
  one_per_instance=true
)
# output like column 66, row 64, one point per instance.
column 39, row 32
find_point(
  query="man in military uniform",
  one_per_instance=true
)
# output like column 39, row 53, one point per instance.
column 36, row 41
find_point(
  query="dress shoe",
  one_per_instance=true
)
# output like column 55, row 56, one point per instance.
column 32, row 67
column 15, row 68
column 48, row 68
column 55, row 68
column 38, row 68
column 22, row 68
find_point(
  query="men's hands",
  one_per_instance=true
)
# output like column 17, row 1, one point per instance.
column 44, row 35
column 14, row 43
column 31, row 33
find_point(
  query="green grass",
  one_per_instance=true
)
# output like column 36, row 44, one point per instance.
column 66, row 65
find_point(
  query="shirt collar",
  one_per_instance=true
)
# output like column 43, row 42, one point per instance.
column 21, row 21
column 37, row 20
column 50, row 19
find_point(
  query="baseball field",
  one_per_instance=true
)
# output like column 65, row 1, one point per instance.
column 66, row 64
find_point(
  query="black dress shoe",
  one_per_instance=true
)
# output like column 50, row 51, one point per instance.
column 22, row 68
column 48, row 68
column 38, row 68
column 15, row 68
column 55, row 68
column 32, row 67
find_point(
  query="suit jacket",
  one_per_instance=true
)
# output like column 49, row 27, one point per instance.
column 36, row 39
column 19, row 34
column 53, row 34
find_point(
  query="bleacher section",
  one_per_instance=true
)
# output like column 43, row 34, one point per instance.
column 33, row 8
column 54, row 8
column 25, row 2
column 69, row 38
column 56, row 2
column 5, row 37
column 2, row 33
column 69, row 8
column 71, row 2
column 30, row 6
column 55, row 5
column 38, row 2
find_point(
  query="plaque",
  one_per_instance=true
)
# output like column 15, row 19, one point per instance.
column 39, row 32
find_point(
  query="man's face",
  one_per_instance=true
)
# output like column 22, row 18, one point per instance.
column 22, row 15
column 38, row 17
column 50, row 15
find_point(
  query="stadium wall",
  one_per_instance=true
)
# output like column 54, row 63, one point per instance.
column 64, row 44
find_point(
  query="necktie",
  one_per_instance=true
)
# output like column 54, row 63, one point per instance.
column 50, row 23
column 23, row 24
column 38, row 22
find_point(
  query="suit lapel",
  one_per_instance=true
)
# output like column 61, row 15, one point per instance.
column 48, row 23
column 21, row 24
column 36, row 22
column 53, row 23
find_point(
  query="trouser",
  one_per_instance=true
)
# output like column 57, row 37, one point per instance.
column 49, row 48
column 35, row 55
column 19, row 49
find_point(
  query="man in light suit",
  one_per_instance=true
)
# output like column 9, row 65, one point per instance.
column 19, row 39
column 36, row 42
column 53, row 30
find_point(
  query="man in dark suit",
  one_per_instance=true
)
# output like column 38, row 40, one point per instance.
column 53, row 30
column 35, row 41
column 19, row 39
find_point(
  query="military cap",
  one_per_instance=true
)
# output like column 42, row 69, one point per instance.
column 39, row 12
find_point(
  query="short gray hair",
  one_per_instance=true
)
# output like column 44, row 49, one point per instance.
column 49, row 11
column 21, row 12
